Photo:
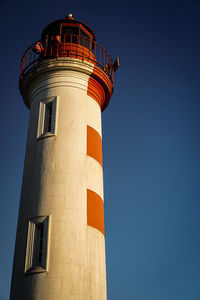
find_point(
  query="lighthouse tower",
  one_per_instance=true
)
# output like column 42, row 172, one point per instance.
column 66, row 81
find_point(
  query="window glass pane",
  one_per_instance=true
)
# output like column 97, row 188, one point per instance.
column 40, row 242
column 69, row 30
column 83, row 34
column 84, row 39
column 48, row 117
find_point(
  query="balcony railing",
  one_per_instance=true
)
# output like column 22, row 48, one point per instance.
column 68, row 45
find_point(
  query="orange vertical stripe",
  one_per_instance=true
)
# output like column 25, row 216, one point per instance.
column 94, row 144
column 100, row 87
column 95, row 211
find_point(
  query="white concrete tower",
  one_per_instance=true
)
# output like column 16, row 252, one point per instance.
column 66, row 81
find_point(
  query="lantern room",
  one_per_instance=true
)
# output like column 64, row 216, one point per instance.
column 68, row 30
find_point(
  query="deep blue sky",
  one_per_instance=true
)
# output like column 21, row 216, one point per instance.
column 151, row 139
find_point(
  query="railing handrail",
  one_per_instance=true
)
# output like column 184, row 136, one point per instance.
column 89, row 51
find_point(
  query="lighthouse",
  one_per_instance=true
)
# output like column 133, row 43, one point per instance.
column 66, row 80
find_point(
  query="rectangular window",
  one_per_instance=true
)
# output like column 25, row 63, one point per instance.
column 47, row 117
column 37, row 245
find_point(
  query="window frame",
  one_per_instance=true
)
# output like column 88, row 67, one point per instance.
column 42, row 131
column 32, row 264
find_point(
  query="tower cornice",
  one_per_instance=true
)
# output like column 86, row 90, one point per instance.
column 99, row 86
